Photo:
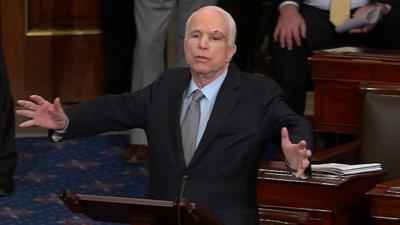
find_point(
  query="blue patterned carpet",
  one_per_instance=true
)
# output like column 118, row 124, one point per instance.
column 87, row 165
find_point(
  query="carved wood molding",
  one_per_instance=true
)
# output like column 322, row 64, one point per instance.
column 61, row 17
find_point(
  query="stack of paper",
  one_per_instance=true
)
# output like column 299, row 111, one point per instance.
column 345, row 169
column 369, row 17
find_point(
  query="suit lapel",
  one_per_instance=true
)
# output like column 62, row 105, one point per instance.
column 176, row 101
column 226, row 100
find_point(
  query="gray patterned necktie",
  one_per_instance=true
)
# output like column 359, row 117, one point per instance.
column 190, row 126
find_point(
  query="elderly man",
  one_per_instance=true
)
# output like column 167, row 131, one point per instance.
column 212, row 158
column 152, row 19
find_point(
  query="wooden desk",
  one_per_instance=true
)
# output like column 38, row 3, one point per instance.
column 326, row 199
column 385, row 206
column 337, row 76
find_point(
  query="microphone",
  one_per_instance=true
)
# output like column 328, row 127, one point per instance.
column 183, row 186
column 181, row 193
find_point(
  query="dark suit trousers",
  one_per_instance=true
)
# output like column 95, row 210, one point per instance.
column 118, row 26
column 247, row 16
column 8, row 155
column 290, row 68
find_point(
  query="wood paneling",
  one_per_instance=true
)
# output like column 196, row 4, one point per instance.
column 326, row 199
column 44, row 17
column 62, row 14
column 61, row 59
column 385, row 203
column 337, row 77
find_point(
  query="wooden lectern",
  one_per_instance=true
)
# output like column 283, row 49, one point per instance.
column 325, row 199
column 384, row 202
column 136, row 211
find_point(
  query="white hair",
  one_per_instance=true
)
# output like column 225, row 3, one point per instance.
column 231, row 21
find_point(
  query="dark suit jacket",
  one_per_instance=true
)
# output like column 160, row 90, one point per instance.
column 249, row 111
column 8, row 154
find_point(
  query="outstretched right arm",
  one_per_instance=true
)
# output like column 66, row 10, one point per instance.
column 42, row 113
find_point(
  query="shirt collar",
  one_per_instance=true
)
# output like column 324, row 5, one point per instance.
column 210, row 90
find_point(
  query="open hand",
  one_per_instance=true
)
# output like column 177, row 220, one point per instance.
column 42, row 113
column 290, row 28
column 296, row 154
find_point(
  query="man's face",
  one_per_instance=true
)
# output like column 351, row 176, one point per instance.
column 207, row 50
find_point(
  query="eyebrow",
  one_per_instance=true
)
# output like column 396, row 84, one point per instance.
column 194, row 31
column 216, row 32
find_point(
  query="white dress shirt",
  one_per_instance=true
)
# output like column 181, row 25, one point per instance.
column 325, row 4
column 210, row 92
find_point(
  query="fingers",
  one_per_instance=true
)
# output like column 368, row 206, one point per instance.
column 308, row 153
column 365, row 29
column 286, row 39
column 32, row 105
column 288, row 36
column 28, row 123
column 289, row 41
column 355, row 31
column 276, row 33
column 303, row 30
column 285, row 137
column 368, row 28
column 304, row 153
column 282, row 39
column 26, row 113
column 299, row 173
column 57, row 101
column 297, row 36
column 38, row 99
column 57, row 105
column 302, row 145
column 303, row 166
column 300, row 33
column 27, row 104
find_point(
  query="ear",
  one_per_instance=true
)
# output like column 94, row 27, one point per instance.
column 231, row 52
column 184, row 43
